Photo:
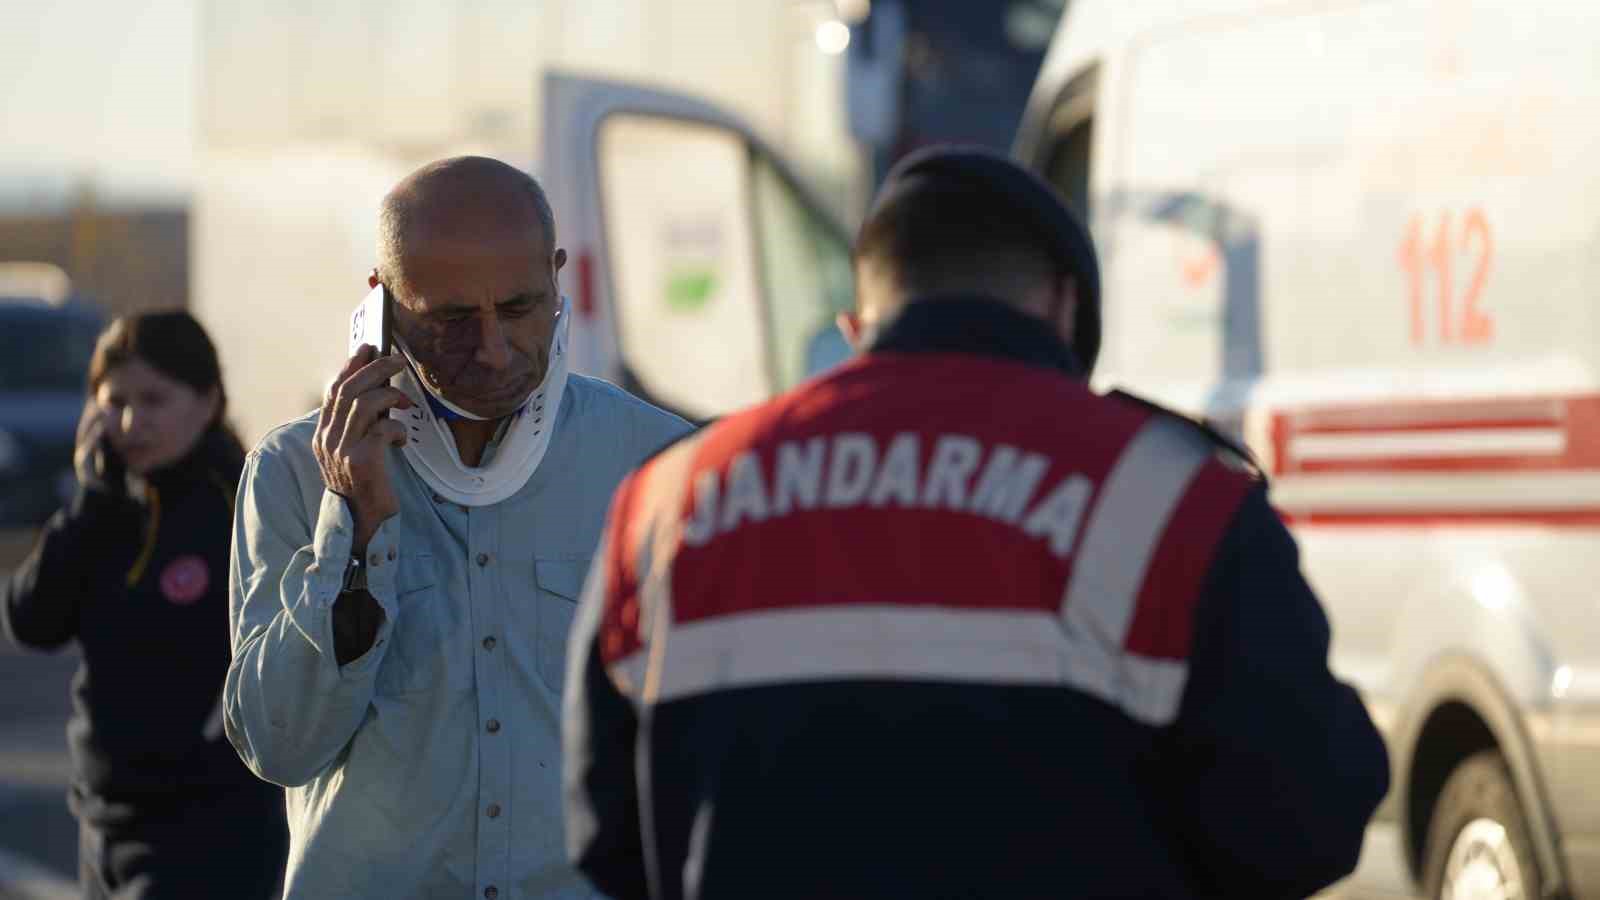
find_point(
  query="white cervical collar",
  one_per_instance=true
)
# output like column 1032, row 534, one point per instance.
column 432, row 449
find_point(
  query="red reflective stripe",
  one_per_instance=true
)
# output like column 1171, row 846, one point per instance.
column 1163, row 619
column 1435, row 464
column 1567, row 518
column 586, row 298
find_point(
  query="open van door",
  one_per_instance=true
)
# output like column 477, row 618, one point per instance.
column 704, row 276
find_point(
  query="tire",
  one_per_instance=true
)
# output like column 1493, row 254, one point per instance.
column 1479, row 846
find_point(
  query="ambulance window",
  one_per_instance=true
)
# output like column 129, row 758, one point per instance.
column 806, row 270
column 684, row 281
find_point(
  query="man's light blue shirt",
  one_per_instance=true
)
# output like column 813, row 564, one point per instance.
column 429, row 766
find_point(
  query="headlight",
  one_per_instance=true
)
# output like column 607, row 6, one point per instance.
column 10, row 453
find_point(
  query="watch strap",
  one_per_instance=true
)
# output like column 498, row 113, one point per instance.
column 355, row 576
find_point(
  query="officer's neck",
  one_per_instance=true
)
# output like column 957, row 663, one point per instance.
column 973, row 323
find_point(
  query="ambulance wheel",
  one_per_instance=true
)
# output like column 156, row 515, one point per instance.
column 1478, row 845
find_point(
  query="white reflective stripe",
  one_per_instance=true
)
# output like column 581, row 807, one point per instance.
column 1126, row 525
column 1154, row 688
column 661, row 504
column 663, row 484
column 1462, row 443
column 628, row 673
column 1109, row 568
column 894, row 643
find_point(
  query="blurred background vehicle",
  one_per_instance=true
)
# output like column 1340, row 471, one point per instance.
column 46, row 338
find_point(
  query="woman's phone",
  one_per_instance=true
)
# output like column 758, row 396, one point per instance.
column 369, row 324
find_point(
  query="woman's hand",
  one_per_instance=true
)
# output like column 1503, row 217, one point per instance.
column 94, row 460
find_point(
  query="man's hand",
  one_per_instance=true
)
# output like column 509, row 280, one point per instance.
column 353, row 434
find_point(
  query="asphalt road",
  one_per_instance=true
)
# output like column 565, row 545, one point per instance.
column 38, row 836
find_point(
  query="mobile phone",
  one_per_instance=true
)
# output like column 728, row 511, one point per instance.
column 370, row 323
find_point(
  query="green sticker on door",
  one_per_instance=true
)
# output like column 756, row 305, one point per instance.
column 689, row 287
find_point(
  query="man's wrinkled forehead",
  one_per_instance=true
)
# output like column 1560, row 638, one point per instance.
column 455, row 243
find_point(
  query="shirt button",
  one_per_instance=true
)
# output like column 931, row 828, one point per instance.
column 490, row 892
column 493, row 810
column 483, row 559
column 493, row 726
column 488, row 642
column 377, row 559
column 391, row 554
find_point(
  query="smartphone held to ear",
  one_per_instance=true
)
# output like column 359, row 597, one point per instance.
column 370, row 324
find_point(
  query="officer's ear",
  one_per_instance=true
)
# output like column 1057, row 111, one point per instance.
column 851, row 327
column 1064, row 307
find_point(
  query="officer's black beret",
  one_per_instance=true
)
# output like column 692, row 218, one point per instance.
column 1043, row 209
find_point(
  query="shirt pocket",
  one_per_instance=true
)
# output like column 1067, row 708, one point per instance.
column 560, row 581
column 419, row 657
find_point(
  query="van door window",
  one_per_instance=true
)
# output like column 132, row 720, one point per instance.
column 806, row 269
column 690, row 324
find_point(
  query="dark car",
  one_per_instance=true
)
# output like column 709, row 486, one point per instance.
column 44, row 358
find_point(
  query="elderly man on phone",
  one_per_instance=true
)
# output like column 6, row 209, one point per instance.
column 407, row 559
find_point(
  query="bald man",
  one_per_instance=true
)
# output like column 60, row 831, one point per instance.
column 407, row 559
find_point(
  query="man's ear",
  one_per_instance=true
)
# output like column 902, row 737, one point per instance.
column 372, row 278
column 559, row 259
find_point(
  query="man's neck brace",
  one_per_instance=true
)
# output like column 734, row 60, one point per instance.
column 432, row 449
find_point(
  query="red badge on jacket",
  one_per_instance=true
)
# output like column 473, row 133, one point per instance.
column 185, row 580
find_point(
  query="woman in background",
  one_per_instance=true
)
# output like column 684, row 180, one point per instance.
column 136, row 571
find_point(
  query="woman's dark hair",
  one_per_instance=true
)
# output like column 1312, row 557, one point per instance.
column 173, row 343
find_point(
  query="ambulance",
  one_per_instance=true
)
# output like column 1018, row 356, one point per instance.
column 1353, row 232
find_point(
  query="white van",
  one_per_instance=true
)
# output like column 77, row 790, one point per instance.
column 1355, row 232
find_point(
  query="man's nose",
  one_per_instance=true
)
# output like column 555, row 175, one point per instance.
column 494, row 352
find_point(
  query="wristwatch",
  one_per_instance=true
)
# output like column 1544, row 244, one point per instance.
column 355, row 576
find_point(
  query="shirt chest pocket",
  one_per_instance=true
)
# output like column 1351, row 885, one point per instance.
column 560, row 581
column 426, row 644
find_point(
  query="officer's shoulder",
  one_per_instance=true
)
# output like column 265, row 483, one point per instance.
column 1230, row 452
